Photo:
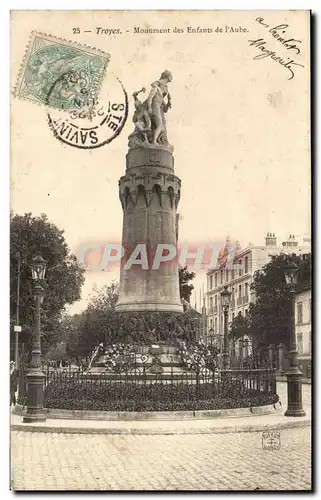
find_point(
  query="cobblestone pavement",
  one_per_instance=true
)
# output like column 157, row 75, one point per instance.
column 44, row 461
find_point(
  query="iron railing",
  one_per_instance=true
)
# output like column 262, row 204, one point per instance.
column 140, row 387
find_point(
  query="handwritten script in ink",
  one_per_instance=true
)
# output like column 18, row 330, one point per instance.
column 279, row 33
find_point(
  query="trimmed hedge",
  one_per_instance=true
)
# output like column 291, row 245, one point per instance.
column 120, row 396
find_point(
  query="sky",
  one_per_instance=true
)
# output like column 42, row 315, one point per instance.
column 239, row 127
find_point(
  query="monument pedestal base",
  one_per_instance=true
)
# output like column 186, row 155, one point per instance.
column 148, row 362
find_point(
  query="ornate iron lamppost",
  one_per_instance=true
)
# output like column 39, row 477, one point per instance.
column 226, row 299
column 294, row 374
column 35, row 376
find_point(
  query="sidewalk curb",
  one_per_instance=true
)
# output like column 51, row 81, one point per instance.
column 134, row 431
column 152, row 416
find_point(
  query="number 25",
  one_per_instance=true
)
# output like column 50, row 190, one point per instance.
column 76, row 31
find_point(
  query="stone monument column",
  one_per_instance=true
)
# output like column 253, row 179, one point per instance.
column 149, row 193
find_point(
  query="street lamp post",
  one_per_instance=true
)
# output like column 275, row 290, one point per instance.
column 211, row 332
column 226, row 299
column 35, row 376
column 294, row 374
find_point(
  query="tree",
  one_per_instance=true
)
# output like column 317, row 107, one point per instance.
column 31, row 236
column 106, row 298
column 185, row 288
column 270, row 314
column 72, row 327
column 239, row 327
column 98, row 318
column 57, row 352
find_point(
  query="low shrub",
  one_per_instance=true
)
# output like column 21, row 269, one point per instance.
column 127, row 396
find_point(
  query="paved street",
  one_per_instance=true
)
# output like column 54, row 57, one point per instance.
column 52, row 461
column 44, row 461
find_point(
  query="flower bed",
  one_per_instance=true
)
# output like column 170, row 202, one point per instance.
column 197, row 356
column 125, row 396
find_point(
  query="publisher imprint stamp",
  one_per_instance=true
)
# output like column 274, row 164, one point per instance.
column 271, row 440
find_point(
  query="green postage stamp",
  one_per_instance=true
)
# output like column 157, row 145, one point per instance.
column 59, row 73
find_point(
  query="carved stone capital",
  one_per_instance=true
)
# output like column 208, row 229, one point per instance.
column 146, row 186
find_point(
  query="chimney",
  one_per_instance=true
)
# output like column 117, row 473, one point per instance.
column 291, row 241
column 270, row 240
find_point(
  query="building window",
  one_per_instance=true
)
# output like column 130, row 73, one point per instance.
column 246, row 289
column 240, row 267
column 246, row 312
column 211, row 322
column 215, row 279
column 215, row 300
column 240, row 290
column 211, row 303
column 215, row 325
column 246, row 265
column 300, row 343
column 211, row 282
column 226, row 275
column 300, row 314
column 221, row 276
column 233, row 316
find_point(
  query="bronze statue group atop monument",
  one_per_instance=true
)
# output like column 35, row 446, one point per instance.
column 149, row 193
column 149, row 117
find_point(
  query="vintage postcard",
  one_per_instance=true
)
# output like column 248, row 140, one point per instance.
column 160, row 251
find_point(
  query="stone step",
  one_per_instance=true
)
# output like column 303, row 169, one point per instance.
column 147, row 376
column 165, row 360
column 162, row 349
column 155, row 350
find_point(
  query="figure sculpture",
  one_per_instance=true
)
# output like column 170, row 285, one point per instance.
column 141, row 117
column 149, row 116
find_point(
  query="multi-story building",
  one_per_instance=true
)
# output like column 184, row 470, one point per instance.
column 303, row 330
column 238, row 278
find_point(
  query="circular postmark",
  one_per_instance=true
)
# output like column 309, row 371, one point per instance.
column 86, row 120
